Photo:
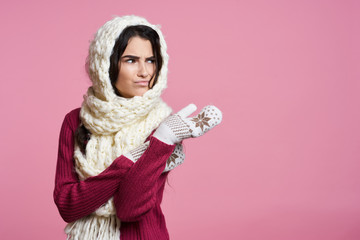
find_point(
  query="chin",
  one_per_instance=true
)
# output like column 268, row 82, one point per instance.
column 141, row 93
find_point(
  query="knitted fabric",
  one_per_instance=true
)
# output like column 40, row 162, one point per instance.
column 176, row 158
column 117, row 124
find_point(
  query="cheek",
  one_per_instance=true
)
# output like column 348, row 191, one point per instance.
column 125, row 72
column 152, row 69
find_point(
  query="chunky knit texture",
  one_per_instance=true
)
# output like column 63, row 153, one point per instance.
column 137, row 189
column 117, row 125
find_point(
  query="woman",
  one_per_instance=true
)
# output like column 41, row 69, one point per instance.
column 112, row 163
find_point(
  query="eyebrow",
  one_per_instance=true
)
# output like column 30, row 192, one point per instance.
column 135, row 57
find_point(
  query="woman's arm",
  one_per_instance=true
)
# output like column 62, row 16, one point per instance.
column 74, row 198
column 137, row 193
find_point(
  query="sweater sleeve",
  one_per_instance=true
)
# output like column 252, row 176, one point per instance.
column 137, row 192
column 74, row 198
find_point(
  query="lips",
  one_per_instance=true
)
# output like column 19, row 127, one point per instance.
column 142, row 83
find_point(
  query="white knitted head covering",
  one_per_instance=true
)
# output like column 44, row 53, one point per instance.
column 101, row 101
column 117, row 124
column 101, row 49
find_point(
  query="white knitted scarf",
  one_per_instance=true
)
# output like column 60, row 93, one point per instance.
column 117, row 124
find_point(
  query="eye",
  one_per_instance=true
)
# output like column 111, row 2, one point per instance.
column 150, row 60
column 130, row 60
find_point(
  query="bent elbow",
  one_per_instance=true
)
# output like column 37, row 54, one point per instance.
column 65, row 209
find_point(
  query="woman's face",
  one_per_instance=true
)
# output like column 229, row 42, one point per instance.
column 136, row 68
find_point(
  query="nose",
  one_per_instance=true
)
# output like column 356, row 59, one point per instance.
column 143, row 71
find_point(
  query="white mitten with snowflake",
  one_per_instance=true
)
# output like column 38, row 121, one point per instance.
column 179, row 126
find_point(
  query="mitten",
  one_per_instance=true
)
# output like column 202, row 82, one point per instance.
column 179, row 126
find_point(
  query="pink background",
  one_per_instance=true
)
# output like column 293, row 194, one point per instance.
column 285, row 162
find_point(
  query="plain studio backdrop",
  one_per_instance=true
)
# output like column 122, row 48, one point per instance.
column 283, row 165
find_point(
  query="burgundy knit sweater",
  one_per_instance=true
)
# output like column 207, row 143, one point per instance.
column 137, row 188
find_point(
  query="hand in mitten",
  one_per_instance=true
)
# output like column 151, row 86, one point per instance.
column 179, row 126
column 176, row 158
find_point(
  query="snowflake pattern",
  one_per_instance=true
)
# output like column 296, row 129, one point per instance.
column 172, row 158
column 201, row 121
